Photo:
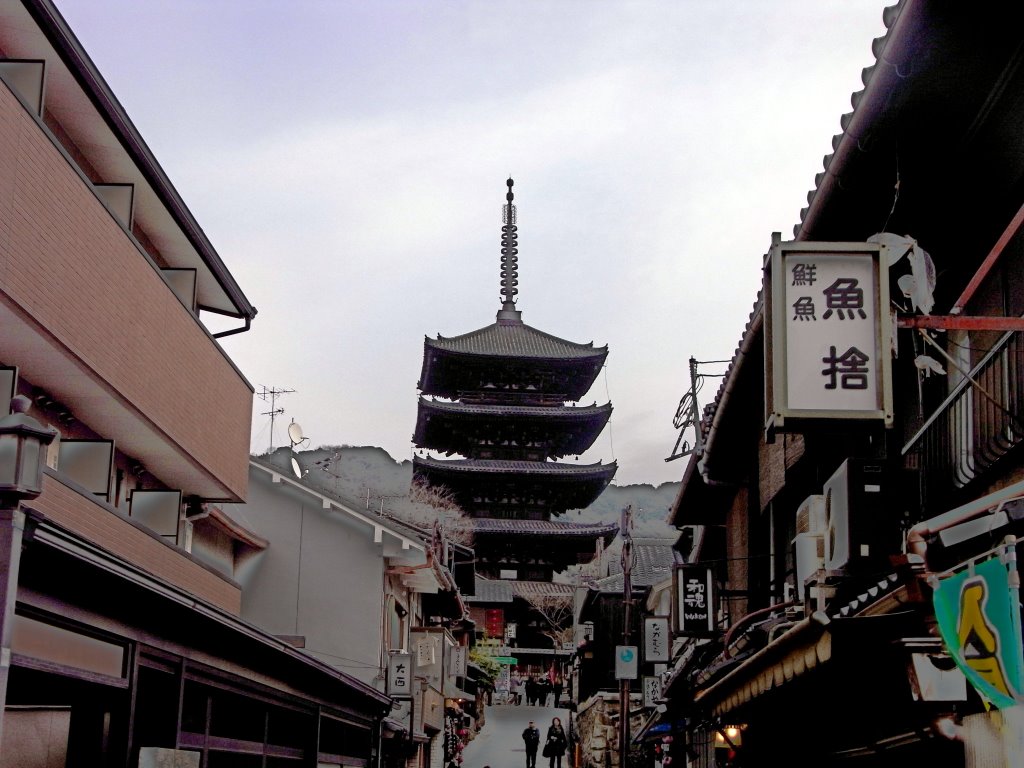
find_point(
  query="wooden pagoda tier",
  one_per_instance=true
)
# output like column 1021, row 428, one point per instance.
column 515, row 489
column 535, row 548
column 500, row 431
column 509, row 361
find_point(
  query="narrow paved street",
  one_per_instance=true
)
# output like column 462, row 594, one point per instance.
column 500, row 745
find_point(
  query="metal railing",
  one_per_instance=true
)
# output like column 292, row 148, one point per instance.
column 976, row 426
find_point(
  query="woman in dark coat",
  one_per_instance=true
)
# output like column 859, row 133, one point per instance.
column 555, row 744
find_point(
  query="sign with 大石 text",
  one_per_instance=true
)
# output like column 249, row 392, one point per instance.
column 399, row 682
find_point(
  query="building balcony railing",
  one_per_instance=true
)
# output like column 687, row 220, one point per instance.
column 85, row 514
column 977, row 425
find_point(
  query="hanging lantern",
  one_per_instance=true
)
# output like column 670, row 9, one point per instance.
column 23, row 441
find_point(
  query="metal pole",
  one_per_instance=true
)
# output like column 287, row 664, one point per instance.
column 12, row 526
column 698, row 437
column 625, row 525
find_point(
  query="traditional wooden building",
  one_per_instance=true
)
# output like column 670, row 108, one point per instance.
column 499, row 404
column 827, row 543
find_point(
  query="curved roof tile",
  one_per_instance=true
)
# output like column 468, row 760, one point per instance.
column 889, row 16
column 486, row 466
column 488, row 525
column 539, row 411
column 515, row 339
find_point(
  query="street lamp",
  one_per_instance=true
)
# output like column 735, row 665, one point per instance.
column 22, row 448
column 23, row 442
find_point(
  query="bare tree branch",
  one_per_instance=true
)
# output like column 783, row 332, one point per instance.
column 556, row 610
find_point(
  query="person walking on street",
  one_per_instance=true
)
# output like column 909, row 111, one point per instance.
column 531, row 738
column 531, row 691
column 543, row 689
column 557, row 688
column 555, row 744
column 515, row 689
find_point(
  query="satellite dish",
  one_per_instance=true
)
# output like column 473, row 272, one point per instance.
column 295, row 433
column 296, row 469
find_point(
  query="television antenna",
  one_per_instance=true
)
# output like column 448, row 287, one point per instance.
column 270, row 394
column 688, row 414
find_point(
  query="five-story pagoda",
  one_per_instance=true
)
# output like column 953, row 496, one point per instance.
column 502, row 400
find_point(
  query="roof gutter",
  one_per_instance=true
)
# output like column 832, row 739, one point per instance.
column 84, row 71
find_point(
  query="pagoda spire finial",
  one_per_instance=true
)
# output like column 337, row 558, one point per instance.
column 509, row 259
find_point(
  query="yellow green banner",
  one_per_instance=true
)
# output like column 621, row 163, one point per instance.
column 979, row 619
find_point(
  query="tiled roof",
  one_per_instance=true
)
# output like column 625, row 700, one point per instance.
column 504, row 590
column 504, row 526
column 843, row 140
column 653, row 563
column 848, row 139
column 528, row 589
column 515, row 339
column 487, row 466
column 491, row 591
column 558, row 411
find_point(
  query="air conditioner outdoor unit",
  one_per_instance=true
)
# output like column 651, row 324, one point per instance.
column 861, row 524
column 809, row 544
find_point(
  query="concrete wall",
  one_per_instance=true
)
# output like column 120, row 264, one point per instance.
column 321, row 577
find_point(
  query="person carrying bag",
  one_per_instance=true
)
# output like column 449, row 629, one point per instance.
column 554, row 746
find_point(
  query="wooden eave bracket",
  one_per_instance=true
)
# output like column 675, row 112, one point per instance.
column 962, row 322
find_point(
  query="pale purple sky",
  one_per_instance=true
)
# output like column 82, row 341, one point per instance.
column 348, row 161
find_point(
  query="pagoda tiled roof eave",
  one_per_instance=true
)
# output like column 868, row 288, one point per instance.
column 535, row 468
column 579, row 413
column 484, row 526
column 503, row 339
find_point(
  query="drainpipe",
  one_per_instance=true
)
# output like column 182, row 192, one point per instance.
column 917, row 535
column 745, row 620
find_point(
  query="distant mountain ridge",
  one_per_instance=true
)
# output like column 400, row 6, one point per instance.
column 368, row 476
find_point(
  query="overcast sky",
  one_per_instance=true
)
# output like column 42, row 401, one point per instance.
column 348, row 159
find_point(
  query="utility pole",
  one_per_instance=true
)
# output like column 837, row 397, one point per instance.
column 625, row 530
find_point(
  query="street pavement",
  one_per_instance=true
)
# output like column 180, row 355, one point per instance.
column 500, row 742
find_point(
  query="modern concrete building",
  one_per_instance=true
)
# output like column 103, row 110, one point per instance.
column 120, row 645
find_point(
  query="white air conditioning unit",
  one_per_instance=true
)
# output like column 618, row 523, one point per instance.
column 809, row 544
column 861, row 526
column 810, row 515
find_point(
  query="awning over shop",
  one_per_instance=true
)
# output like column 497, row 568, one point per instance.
column 803, row 647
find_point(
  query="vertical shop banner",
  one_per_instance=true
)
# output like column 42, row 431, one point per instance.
column 652, row 691
column 458, row 661
column 695, row 600
column 979, row 619
column 656, row 639
column 399, row 682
